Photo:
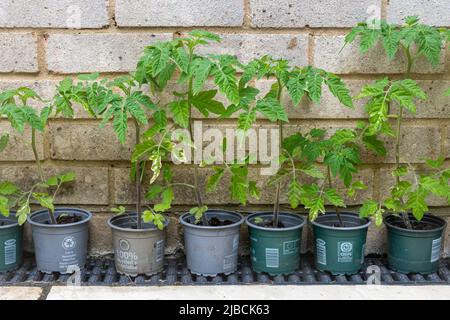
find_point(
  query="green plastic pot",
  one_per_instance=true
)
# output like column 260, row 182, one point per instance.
column 275, row 251
column 414, row 251
column 340, row 250
column 10, row 243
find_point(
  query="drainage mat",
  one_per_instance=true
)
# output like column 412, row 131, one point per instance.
column 101, row 271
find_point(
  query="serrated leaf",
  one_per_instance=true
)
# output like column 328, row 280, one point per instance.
column 154, row 191
column 338, row 88
column 3, row 142
column 225, row 79
column 45, row 200
column 180, row 112
column 334, row 198
column 417, row 204
column 201, row 70
column 272, row 109
column 214, row 179
column 8, row 188
column 4, row 208
column 167, row 197
column 294, row 194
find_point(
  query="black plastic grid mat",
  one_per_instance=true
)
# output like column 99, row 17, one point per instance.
column 101, row 271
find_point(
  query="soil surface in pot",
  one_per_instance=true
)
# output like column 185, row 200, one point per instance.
column 5, row 223
column 66, row 218
column 416, row 225
column 216, row 222
column 268, row 223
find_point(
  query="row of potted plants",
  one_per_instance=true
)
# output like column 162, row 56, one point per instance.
column 318, row 167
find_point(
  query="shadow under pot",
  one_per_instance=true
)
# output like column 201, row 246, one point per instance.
column 275, row 251
column 212, row 250
column 417, row 250
column 340, row 250
column 11, row 235
column 137, row 251
column 60, row 247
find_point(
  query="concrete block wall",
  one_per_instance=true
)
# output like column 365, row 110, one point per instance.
column 41, row 42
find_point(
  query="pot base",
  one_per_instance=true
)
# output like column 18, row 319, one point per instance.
column 137, row 251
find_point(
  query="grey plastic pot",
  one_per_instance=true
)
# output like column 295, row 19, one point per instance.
column 212, row 250
column 10, row 243
column 60, row 247
column 137, row 251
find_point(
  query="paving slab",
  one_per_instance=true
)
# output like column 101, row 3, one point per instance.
column 20, row 293
column 254, row 292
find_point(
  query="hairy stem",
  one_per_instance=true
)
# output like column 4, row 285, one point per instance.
column 336, row 208
column 51, row 215
column 276, row 206
column 410, row 62
column 138, row 178
column 191, row 132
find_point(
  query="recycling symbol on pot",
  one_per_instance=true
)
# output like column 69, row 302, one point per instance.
column 124, row 245
column 346, row 247
column 69, row 243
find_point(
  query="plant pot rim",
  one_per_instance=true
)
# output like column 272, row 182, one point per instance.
column 66, row 225
column 286, row 214
column 129, row 215
column 14, row 221
column 427, row 216
column 230, row 226
column 343, row 214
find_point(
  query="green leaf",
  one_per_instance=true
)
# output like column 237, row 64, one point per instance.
column 272, row 109
column 3, row 142
column 314, row 82
column 120, row 125
column 374, row 144
column 368, row 39
column 247, row 119
column 8, row 188
column 253, row 190
column 435, row 164
column 368, row 209
column 89, row 77
column 154, row 191
column 45, row 200
column 167, row 198
column 214, row 179
column 198, row 213
column 400, row 171
column 180, row 111
column 391, row 41
column 204, row 102
column 225, row 79
column 334, row 198
column 314, row 172
column 203, row 34
column 239, row 183
column 416, row 202
column 294, row 194
column 67, row 177
column 23, row 212
column 201, row 70
column 4, row 208
column 338, row 88
column 435, row 186
column 296, row 86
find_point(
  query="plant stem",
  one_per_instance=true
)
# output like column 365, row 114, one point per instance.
column 410, row 61
column 36, row 155
column 138, row 179
column 191, row 132
column 336, row 208
column 276, row 207
column 51, row 215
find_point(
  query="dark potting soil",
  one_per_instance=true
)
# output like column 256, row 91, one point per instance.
column 216, row 222
column 269, row 224
column 416, row 225
column 67, row 219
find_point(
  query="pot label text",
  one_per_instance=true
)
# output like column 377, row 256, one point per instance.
column 321, row 251
column 435, row 250
column 10, row 251
column 272, row 258
column 345, row 251
column 291, row 247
